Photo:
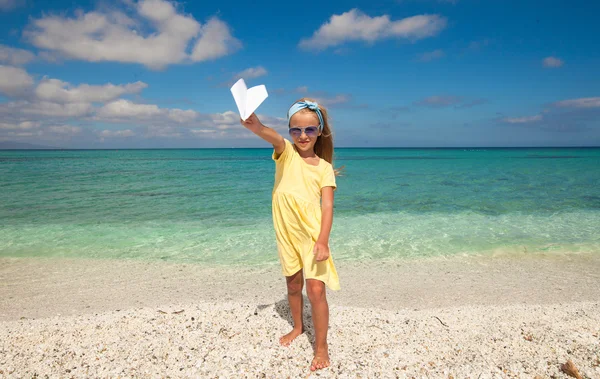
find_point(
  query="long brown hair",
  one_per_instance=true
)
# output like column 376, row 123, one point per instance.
column 324, row 144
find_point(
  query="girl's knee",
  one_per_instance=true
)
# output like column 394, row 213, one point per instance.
column 295, row 283
column 315, row 289
column 294, row 287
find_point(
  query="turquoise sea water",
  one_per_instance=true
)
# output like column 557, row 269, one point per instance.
column 213, row 206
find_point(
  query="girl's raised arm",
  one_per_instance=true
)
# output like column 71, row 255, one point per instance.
column 253, row 124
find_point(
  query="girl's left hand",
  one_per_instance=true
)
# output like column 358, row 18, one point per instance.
column 321, row 251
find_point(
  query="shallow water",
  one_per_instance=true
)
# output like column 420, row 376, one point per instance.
column 213, row 205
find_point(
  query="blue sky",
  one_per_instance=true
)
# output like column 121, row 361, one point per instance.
column 409, row 73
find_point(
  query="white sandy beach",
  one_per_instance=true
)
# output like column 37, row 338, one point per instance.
column 476, row 317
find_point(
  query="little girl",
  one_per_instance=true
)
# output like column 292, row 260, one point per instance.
column 303, row 214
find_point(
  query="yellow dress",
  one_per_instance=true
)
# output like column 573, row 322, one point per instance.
column 297, row 214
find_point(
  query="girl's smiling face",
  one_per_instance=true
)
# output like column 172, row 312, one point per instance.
column 305, row 141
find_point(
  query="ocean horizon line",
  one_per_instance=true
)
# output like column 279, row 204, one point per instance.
column 340, row 147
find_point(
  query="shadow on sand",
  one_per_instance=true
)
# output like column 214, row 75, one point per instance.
column 282, row 307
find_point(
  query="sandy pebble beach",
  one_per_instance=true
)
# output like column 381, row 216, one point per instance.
column 477, row 317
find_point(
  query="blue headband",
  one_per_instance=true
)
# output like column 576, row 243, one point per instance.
column 306, row 104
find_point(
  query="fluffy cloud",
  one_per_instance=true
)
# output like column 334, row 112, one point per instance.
column 552, row 62
column 586, row 102
column 443, row 101
column 45, row 112
column 15, row 57
column 354, row 25
column 37, row 129
column 55, row 98
column 48, row 109
column 202, row 132
column 215, row 41
column 471, row 104
column 64, row 129
column 322, row 97
column 122, row 109
column 103, row 36
column 153, row 122
column 127, row 109
column 439, row 101
column 230, row 120
column 117, row 133
column 476, row 45
column 223, row 121
column 329, row 101
column 14, row 81
column 431, row 55
column 252, row 72
column 23, row 125
column 523, row 120
column 6, row 5
column 566, row 116
column 62, row 92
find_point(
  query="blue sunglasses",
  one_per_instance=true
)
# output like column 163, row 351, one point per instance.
column 310, row 131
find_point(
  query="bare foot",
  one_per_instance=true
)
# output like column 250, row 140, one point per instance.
column 321, row 359
column 288, row 338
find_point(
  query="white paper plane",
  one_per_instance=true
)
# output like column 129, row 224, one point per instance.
column 248, row 100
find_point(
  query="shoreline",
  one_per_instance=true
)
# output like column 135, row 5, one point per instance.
column 46, row 287
column 489, row 317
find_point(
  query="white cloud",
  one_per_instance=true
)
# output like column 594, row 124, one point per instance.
column 7, row 5
column 23, row 125
column 230, row 120
column 217, row 126
column 53, row 101
column 23, row 134
column 444, row 101
column 476, row 45
column 163, row 132
column 586, row 102
column 203, row 132
column 116, row 133
column 431, row 55
column 48, row 56
column 552, row 62
column 322, row 97
column 471, row 103
column 65, row 129
column 439, row 101
column 354, row 25
column 215, row 41
column 62, row 92
column 45, row 108
column 124, row 109
column 335, row 100
column 223, row 121
column 278, row 123
column 523, row 120
column 182, row 116
column 113, row 36
column 15, row 57
column 14, row 81
column 252, row 72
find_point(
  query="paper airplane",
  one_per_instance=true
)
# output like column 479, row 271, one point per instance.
column 248, row 100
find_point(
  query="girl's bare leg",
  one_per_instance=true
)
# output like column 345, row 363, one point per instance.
column 294, row 287
column 320, row 315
